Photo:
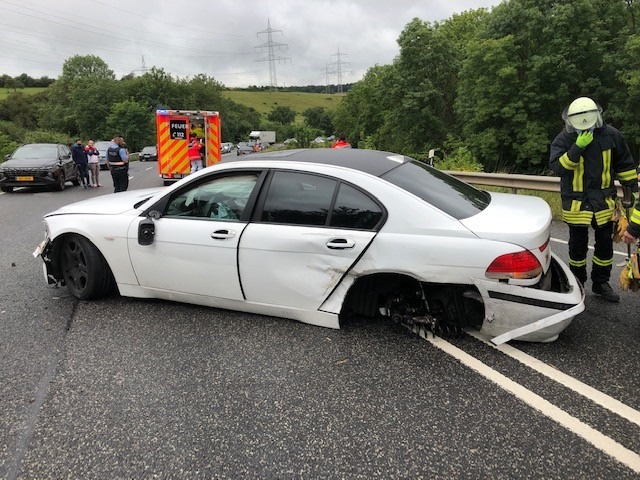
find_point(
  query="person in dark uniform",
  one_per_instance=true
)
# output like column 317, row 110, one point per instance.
column 118, row 161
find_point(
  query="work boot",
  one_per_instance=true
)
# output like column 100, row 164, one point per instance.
column 606, row 292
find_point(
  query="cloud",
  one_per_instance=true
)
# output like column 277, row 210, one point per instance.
column 220, row 38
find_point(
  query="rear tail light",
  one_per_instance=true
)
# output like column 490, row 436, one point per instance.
column 520, row 265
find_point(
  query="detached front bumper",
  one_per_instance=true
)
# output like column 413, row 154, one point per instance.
column 531, row 314
column 51, row 273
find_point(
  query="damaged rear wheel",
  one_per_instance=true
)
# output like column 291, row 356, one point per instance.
column 84, row 269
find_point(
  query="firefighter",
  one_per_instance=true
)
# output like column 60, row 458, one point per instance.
column 194, row 154
column 588, row 155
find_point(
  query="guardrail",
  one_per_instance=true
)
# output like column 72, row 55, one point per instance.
column 515, row 181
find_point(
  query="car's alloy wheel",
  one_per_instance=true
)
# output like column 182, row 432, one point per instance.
column 84, row 269
column 61, row 181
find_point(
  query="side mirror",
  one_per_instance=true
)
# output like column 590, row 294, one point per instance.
column 7, row 156
column 147, row 229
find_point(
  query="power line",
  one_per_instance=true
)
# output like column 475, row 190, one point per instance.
column 271, row 57
column 325, row 72
column 338, row 65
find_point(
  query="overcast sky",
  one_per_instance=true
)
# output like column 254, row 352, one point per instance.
column 217, row 37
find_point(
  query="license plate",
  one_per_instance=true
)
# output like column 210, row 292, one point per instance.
column 24, row 179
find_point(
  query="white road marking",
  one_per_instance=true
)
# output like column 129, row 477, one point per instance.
column 591, row 435
column 148, row 168
column 559, row 240
column 565, row 380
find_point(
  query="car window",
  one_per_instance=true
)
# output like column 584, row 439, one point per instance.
column 222, row 198
column 354, row 209
column 149, row 150
column 35, row 151
column 452, row 196
column 298, row 199
column 102, row 147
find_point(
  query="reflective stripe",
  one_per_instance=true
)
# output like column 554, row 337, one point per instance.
column 602, row 263
column 566, row 163
column 604, row 216
column 635, row 217
column 606, row 169
column 628, row 175
column 578, row 173
column 578, row 263
column 577, row 218
column 575, row 205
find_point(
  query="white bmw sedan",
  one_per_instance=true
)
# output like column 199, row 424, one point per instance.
column 317, row 235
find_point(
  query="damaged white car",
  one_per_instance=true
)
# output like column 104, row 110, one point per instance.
column 317, row 235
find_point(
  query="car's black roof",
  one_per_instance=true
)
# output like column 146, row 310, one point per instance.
column 374, row 162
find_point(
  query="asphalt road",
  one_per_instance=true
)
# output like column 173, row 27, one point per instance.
column 126, row 388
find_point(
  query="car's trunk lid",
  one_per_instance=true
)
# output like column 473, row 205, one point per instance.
column 519, row 219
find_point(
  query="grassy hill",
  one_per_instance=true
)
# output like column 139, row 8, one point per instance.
column 4, row 92
column 264, row 102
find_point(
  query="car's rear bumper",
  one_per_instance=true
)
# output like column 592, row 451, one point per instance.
column 533, row 314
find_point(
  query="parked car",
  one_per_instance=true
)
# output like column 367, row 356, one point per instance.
column 39, row 164
column 226, row 147
column 244, row 150
column 318, row 235
column 148, row 153
column 102, row 147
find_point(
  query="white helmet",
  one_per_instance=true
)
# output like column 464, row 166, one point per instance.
column 583, row 114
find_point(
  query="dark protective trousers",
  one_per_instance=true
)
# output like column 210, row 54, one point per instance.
column 83, row 168
column 120, row 176
column 602, row 256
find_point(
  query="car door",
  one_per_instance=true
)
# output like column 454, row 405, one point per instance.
column 64, row 157
column 305, row 237
column 194, row 249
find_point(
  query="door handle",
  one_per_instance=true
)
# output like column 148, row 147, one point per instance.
column 223, row 234
column 340, row 244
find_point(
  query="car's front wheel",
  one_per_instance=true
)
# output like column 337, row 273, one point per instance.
column 76, row 179
column 62, row 181
column 6, row 189
column 84, row 269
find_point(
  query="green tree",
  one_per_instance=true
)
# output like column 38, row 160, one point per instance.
column 82, row 67
column 528, row 62
column 134, row 122
column 280, row 114
column 319, row 117
column 21, row 109
column 79, row 100
column 364, row 111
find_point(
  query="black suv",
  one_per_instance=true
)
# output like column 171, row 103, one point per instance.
column 148, row 153
column 39, row 164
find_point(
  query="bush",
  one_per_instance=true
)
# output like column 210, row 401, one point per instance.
column 461, row 160
column 44, row 136
column 7, row 146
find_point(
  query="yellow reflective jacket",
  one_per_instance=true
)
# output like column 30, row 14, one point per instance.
column 587, row 174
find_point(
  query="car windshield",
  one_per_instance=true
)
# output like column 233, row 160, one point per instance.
column 149, row 150
column 452, row 196
column 35, row 151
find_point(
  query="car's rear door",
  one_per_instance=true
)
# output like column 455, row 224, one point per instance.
column 308, row 232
